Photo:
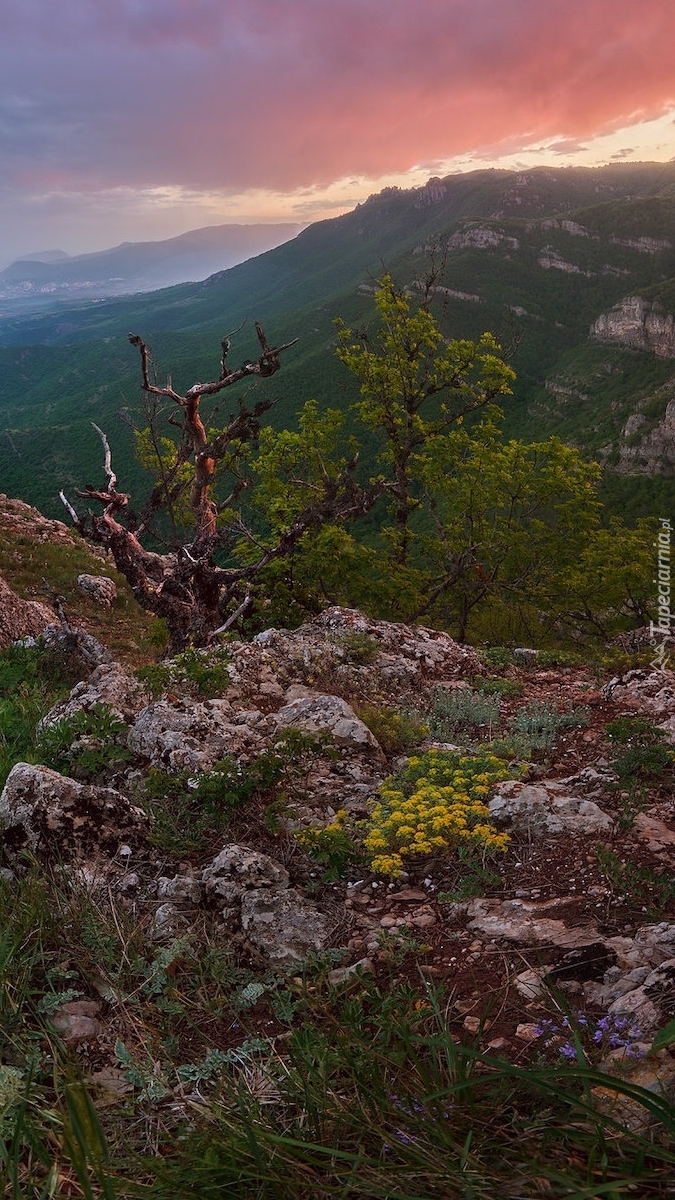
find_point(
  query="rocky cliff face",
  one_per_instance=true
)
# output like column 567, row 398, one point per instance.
column 637, row 323
column 649, row 451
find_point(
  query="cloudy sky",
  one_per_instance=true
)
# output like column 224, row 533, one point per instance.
column 126, row 120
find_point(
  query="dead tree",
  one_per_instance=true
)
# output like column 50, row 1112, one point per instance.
column 196, row 597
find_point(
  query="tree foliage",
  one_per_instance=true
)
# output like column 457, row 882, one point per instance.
column 487, row 537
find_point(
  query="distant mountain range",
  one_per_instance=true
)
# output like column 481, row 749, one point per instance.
column 572, row 269
column 42, row 278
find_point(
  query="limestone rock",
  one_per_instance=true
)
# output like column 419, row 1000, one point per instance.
column 20, row 618
column 651, row 946
column 77, row 1021
column 527, row 922
column 169, row 922
column 327, row 714
column 651, row 1004
column 182, row 889
column 25, row 521
column 544, row 809
column 638, row 323
column 108, row 684
column 76, row 642
column 658, row 836
column 238, row 868
column 98, row 588
column 187, row 735
column 282, row 924
column 655, row 1074
column 57, row 817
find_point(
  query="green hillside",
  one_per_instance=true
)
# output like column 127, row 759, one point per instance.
column 535, row 257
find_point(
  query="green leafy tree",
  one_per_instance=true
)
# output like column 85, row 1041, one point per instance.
column 459, row 527
column 415, row 386
column 478, row 534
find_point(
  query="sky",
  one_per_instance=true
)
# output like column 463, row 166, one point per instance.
column 134, row 120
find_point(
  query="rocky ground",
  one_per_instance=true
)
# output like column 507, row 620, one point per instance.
column 577, row 916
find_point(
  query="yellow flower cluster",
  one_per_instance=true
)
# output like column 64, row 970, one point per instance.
column 436, row 804
column 319, row 837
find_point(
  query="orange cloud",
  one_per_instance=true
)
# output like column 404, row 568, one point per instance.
column 284, row 94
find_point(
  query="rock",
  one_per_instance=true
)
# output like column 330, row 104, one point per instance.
column 432, row 650
column 615, row 984
column 327, row 714
column 653, row 1002
column 170, row 921
column 341, row 974
column 526, row 922
column 77, row 1021
column 77, row 643
column 188, row 735
column 108, row 684
column 650, row 946
column 98, row 588
column 525, row 656
column 650, row 692
column 20, row 618
column 57, row 817
column 638, row 323
column 238, row 868
column 283, row 925
column 655, row 833
column 544, row 809
column 472, row 1024
column 590, row 781
column 527, row 1032
column 530, row 984
column 655, row 1074
column 182, row 889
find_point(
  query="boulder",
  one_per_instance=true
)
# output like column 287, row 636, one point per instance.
column 184, row 734
column 283, row 925
column 69, row 641
column 20, row 618
column 545, row 809
column 57, row 817
column 98, row 588
column 108, row 684
column 238, row 869
column 327, row 714
column 529, row 923
column 651, row 1004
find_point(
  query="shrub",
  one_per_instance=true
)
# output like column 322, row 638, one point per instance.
column 331, row 846
column 436, row 804
column 644, row 756
column 357, row 647
column 201, row 671
column 497, row 686
column 560, row 658
column 540, row 723
column 395, row 729
column 462, row 709
column 498, row 656
column 84, row 743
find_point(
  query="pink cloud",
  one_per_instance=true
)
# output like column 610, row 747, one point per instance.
column 231, row 94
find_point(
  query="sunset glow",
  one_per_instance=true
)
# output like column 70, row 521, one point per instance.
column 141, row 119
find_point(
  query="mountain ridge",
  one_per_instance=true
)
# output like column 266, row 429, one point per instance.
column 536, row 257
column 138, row 266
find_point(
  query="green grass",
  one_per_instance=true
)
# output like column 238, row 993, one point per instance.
column 367, row 1094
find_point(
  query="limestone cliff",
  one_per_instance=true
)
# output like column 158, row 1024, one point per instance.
column 637, row 323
